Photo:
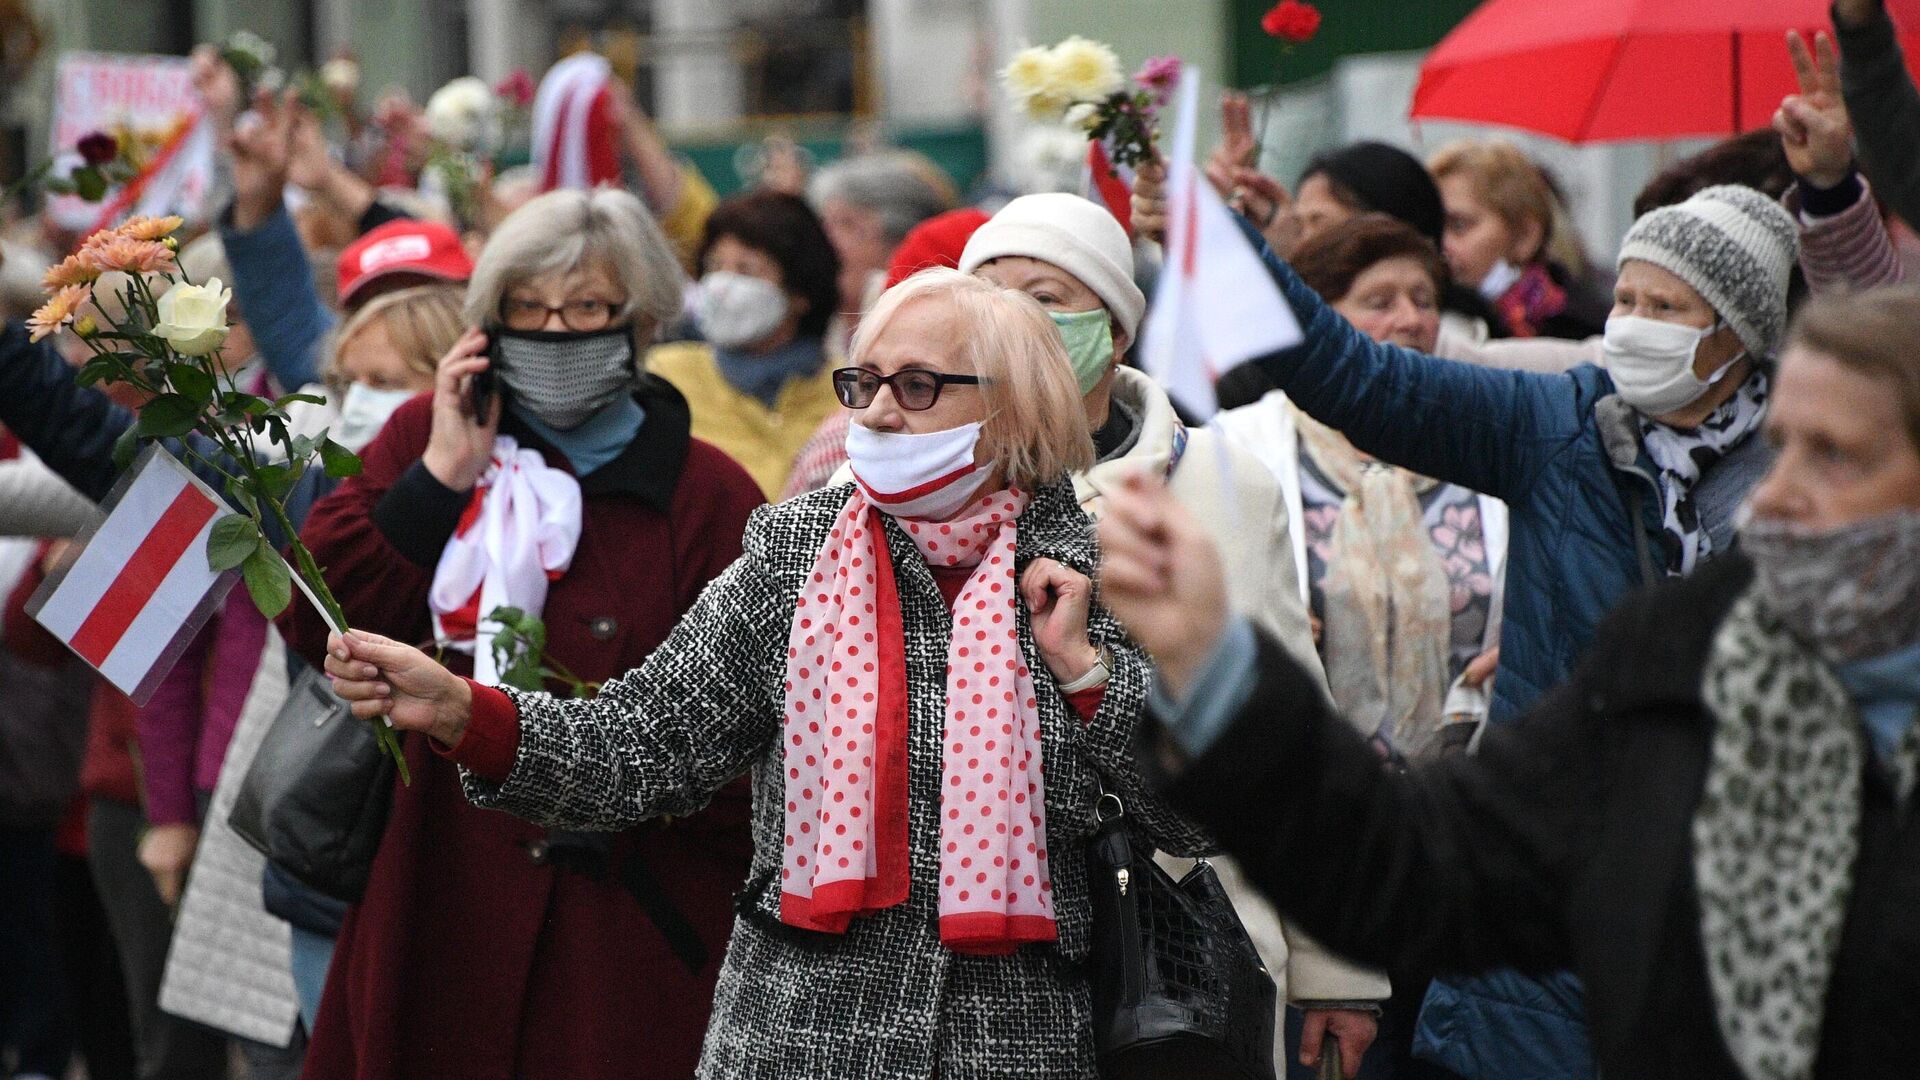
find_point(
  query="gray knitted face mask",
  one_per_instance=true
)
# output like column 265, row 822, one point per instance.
column 563, row 377
column 1851, row 592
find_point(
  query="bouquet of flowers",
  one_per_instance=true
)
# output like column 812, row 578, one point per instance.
column 161, row 337
column 463, row 121
column 1079, row 82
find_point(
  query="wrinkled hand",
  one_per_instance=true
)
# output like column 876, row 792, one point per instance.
column 167, row 853
column 308, row 164
column 379, row 677
column 1150, row 201
column 1237, row 146
column 1160, row 576
column 1353, row 1029
column 1267, row 203
column 216, row 83
column 262, row 148
column 1058, row 598
column 460, row 444
column 1813, row 124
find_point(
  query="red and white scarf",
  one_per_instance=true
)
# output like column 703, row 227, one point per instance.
column 845, row 737
column 517, row 534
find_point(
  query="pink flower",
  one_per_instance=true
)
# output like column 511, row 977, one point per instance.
column 516, row 89
column 58, row 311
column 1159, row 76
column 128, row 255
column 75, row 269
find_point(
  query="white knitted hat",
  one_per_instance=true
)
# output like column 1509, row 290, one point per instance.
column 1736, row 247
column 1076, row 235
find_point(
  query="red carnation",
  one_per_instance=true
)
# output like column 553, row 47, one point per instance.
column 1292, row 21
column 98, row 148
column 517, row 88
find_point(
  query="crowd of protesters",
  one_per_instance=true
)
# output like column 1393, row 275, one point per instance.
column 1533, row 650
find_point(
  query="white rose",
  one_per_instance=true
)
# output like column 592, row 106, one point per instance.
column 463, row 114
column 340, row 75
column 193, row 318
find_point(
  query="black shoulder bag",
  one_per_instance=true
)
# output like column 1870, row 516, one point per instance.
column 1178, row 990
column 316, row 798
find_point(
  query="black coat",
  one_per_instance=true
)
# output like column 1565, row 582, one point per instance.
column 1565, row 843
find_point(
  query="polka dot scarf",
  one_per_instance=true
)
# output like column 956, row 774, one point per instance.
column 845, row 738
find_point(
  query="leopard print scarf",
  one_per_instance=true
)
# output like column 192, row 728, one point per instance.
column 1775, row 838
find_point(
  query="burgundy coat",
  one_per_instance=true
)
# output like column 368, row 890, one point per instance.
column 472, row 956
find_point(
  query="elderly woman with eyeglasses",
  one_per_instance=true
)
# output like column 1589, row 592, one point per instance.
column 912, row 670
column 543, row 472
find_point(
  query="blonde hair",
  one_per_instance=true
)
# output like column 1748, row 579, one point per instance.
column 1871, row 334
column 1035, row 429
column 563, row 231
column 1505, row 179
column 422, row 322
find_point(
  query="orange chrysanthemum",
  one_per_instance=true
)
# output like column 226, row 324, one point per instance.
column 58, row 311
column 76, row 269
column 128, row 255
column 150, row 228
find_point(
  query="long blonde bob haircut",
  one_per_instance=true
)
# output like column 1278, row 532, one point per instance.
column 1035, row 430
column 422, row 323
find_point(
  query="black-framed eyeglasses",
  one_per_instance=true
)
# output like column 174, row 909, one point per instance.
column 914, row 389
column 586, row 314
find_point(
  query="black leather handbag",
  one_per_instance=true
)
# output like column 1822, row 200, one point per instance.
column 316, row 798
column 1178, row 990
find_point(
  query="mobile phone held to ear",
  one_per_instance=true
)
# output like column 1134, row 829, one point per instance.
column 483, row 385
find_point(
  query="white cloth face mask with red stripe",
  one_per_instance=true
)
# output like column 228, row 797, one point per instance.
column 927, row 477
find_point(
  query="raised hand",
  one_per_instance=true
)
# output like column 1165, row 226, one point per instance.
column 1160, row 576
column 1237, row 145
column 1150, row 201
column 262, row 148
column 1813, row 124
column 217, row 84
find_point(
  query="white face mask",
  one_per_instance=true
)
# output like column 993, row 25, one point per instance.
column 363, row 412
column 737, row 310
column 928, row 477
column 1652, row 363
column 1499, row 279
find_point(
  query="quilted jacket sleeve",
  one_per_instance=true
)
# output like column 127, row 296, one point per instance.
column 664, row 737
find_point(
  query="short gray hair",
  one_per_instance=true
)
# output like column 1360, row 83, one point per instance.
column 897, row 185
column 565, row 230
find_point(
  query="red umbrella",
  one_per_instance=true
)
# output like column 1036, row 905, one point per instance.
column 1600, row 70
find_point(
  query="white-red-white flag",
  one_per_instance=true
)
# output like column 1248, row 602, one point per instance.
column 1215, row 305
column 1109, row 184
column 141, row 587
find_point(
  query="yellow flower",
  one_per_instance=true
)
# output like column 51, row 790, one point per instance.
column 128, row 255
column 1087, row 70
column 75, row 269
column 150, row 228
column 58, row 311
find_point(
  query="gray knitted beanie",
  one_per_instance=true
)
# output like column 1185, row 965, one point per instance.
column 1736, row 247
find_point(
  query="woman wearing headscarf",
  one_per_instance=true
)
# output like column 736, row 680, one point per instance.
column 761, row 381
column 1073, row 258
column 1711, row 821
column 913, row 672
column 1612, row 477
column 573, row 492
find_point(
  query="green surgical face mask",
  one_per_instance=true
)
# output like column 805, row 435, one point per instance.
column 1089, row 339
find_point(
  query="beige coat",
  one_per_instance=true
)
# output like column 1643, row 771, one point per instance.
column 1235, row 495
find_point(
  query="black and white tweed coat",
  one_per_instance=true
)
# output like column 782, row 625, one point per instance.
column 885, row 999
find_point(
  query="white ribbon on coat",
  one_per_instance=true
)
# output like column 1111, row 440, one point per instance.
column 523, row 537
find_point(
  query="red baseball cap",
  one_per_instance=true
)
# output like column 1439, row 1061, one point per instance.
column 406, row 246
